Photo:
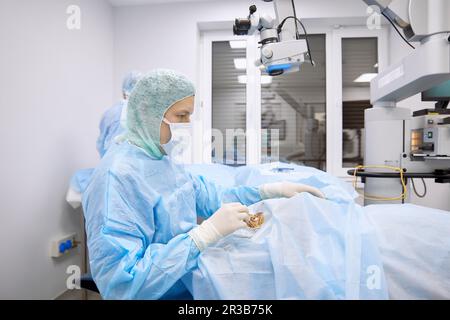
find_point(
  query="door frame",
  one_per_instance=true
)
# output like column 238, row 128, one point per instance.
column 336, row 140
column 202, row 136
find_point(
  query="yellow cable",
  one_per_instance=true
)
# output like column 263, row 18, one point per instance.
column 377, row 198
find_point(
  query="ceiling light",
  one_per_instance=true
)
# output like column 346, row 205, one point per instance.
column 264, row 79
column 238, row 44
column 365, row 77
column 240, row 63
column 242, row 79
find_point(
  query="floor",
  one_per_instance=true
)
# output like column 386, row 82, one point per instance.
column 81, row 294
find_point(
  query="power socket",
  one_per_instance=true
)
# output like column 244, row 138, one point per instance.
column 63, row 245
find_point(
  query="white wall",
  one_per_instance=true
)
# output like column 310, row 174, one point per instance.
column 55, row 84
column 438, row 194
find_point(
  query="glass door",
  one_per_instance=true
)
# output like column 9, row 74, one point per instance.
column 293, row 112
column 358, row 54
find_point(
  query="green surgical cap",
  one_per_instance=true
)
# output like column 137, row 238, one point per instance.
column 156, row 92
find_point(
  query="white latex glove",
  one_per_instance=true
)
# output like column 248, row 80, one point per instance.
column 229, row 218
column 287, row 190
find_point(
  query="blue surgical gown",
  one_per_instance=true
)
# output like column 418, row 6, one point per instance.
column 138, row 212
column 109, row 127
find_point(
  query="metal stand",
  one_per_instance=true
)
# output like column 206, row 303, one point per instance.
column 439, row 176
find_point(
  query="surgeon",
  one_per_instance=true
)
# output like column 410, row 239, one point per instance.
column 141, row 208
column 110, row 126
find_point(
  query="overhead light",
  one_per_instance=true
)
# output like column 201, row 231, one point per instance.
column 365, row 77
column 240, row 63
column 242, row 79
column 238, row 44
column 264, row 79
column 375, row 65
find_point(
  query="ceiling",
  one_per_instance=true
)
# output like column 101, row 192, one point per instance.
column 120, row 3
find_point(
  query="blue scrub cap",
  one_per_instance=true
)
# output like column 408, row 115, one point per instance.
column 130, row 81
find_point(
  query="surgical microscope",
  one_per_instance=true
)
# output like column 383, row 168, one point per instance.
column 418, row 143
column 283, row 48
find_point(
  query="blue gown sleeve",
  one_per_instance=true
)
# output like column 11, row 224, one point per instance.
column 100, row 144
column 125, row 261
column 210, row 196
column 109, row 128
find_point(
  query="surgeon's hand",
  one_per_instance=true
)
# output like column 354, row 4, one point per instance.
column 229, row 218
column 287, row 190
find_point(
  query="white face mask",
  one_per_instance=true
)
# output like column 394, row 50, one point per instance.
column 179, row 146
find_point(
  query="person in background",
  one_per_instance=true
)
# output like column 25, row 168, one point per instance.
column 110, row 125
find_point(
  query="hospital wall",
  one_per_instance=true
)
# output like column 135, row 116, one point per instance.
column 437, row 194
column 55, row 85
